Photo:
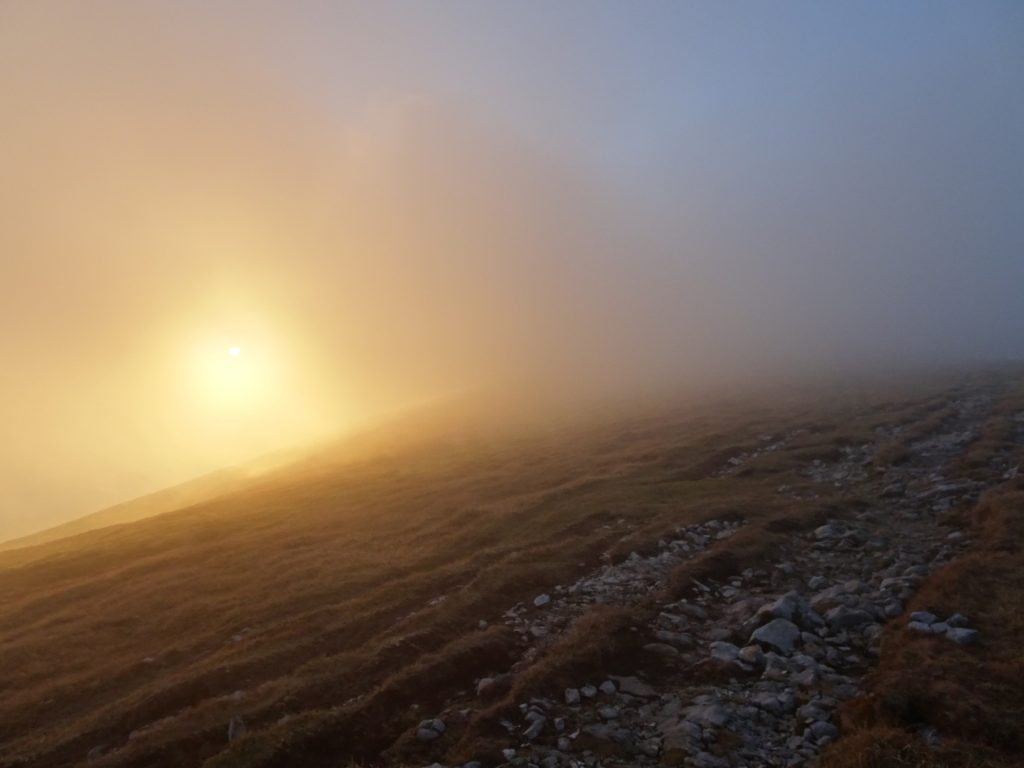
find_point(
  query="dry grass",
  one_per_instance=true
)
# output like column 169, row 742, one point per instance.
column 973, row 696
column 308, row 592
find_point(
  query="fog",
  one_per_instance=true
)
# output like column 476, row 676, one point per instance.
column 384, row 205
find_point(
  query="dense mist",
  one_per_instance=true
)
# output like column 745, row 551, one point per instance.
column 384, row 206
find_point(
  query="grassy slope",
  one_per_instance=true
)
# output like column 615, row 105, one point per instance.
column 309, row 588
column 973, row 696
column 166, row 500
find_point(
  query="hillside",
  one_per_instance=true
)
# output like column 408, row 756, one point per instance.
column 729, row 585
column 166, row 500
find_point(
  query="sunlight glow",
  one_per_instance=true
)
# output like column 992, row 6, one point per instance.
column 234, row 351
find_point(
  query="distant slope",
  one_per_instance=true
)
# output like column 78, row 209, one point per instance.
column 178, row 496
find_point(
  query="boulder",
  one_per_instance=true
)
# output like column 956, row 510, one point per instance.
column 779, row 634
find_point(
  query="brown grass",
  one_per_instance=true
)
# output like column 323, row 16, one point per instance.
column 308, row 591
column 973, row 696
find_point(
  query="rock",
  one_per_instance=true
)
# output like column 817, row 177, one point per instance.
column 708, row 715
column 719, row 633
column 822, row 730
column 693, row 611
column 661, row 649
column 786, row 607
column 572, row 696
column 608, row 712
column 429, row 730
column 535, row 728
column 633, row 686
column 508, row 754
column 957, row 620
column 923, row 617
column 780, row 634
column 775, row 667
column 892, row 609
column 751, row 654
column 472, row 764
column 483, row 685
column 707, row 760
column 829, row 531
column 724, row 651
column 842, row 617
column 816, row 583
column 236, row 728
column 607, row 687
column 650, row 747
column 678, row 735
column 541, row 600
column 962, row 635
column 678, row 639
column 808, row 678
column 769, row 702
column 564, row 743
column 893, row 490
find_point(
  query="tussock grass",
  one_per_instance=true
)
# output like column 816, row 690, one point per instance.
column 974, row 695
column 312, row 592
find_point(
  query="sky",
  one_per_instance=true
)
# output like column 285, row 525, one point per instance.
column 384, row 204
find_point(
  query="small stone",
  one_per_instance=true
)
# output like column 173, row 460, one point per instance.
column 236, row 728
column 607, row 687
column 823, row 730
column 429, row 730
column 535, row 728
column 816, row 583
column 588, row 691
column 962, row 635
column 751, row 654
column 957, row 620
column 724, row 651
column 564, row 744
column 808, row 678
column 633, row 686
column 541, row 600
column 829, row 531
column 508, row 754
column 708, row 760
column 693, row 611
column 572, row 696
column 608, row 712
column 923, row 617
column 483, row 685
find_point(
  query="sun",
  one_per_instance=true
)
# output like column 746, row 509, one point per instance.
column 234, row 351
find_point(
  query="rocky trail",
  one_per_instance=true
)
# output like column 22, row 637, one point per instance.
column 782, row 646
